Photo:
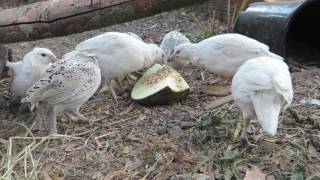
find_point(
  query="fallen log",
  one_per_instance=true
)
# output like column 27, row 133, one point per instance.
column 62, row 17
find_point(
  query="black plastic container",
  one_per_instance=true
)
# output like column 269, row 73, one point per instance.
column 291, row 29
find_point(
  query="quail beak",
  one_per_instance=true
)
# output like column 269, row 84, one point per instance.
column 53, row 58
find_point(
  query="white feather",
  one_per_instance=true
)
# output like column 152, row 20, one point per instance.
column 119, row 54
column 134, row 35
column 261, row 88
column 221, row 54
column 29, row 70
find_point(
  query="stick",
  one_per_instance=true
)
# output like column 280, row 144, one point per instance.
column 219, row 102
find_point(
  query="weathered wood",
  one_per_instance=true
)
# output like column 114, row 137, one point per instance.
column 5, row 4
column 62, row 17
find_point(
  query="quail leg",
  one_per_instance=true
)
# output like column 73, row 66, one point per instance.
column 244, row 130
column 122, row 87
column 114, row 95
column 82, row 118
column 75, row 115
column 108, row 86
column 51, row 122
column 41, row 117
column 71, row 117
column 37, row 125
column 244, row 138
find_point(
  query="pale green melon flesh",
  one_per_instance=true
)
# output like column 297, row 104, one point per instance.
column 160, row 85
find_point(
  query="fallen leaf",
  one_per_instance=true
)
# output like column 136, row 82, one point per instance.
column 254, row 174
column 215, row 90
column 219, row 102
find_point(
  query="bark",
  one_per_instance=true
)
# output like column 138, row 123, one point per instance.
column 62, row 17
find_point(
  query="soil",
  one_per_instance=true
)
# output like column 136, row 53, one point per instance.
column 184, row 140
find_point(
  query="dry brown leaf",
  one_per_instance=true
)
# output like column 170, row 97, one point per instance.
column 254, row 174
column 215, row 90
column 219, row 102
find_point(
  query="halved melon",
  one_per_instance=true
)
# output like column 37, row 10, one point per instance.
column 160, row 84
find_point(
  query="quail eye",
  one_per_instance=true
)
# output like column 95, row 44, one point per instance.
column 43, row 55
column 172, row 51
column 178, row 52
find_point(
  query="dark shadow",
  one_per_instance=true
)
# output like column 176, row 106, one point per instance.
column 303, row 41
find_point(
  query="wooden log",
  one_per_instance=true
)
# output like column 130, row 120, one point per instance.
column 5, row 4
column 62, row 17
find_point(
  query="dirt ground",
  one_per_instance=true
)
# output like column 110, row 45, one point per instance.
column 184, row 140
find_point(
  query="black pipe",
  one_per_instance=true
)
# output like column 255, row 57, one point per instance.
column 291, row 29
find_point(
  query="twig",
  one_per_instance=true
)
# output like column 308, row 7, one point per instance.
column 219, row 102
column 117, row 122
column 26, row 150
column 234, row 15
column 313, row 176
column 85, row 143
column 238, row 129
column 212, row 158
column 99, row 119
column 243, row 5
column 85, row 132
column 302, row 148
column 152, row 168
column 3, row 80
